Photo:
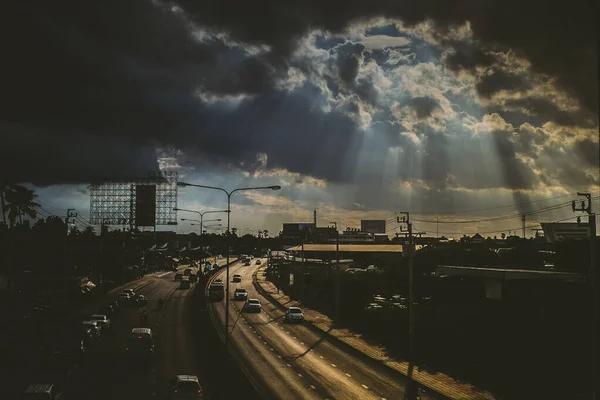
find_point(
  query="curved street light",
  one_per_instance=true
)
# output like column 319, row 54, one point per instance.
column 228, row 193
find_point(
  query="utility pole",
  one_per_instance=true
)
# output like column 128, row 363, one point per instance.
column 593, row 283
column 411, row 388
column 523, row 217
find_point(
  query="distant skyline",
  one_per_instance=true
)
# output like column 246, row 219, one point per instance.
column 362, row 113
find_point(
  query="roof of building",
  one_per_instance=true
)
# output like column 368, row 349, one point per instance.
column 354, row 248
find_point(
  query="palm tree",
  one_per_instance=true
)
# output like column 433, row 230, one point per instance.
column 19, row 201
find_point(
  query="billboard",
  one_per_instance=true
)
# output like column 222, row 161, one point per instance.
column 562, row 231
column 145, row 205
column 372, row 225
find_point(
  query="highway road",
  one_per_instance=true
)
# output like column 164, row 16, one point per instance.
column 105, row 373
column 296, row 362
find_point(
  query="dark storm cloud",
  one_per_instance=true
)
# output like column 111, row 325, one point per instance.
column 349, row 58
column 536, row 27
column 94, row 87
column 468, row 58
column 500, row 80
column 516, row 173
column 590, row 152
column 543, row 109
column 424, row 106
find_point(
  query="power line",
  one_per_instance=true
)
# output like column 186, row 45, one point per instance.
column 499, row 207
column 502, row 217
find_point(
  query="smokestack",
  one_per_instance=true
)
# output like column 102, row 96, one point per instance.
column 315, row 217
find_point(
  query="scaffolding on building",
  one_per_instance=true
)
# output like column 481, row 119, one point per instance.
column 114, row 202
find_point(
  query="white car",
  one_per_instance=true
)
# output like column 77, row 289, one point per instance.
column 130, row 291
column 294, row 314
column 252, row 305
column 186, row 387
column 102, row 320
column 240, row 294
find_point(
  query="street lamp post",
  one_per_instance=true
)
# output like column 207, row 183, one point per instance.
column 274, row 187
column 201, row 214
column 201, row 222
column 337, row 272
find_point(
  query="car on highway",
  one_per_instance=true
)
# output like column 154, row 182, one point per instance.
column 187, row 272
column 252, row 305
column 42, row 391
column 294, row 314
column 130, row 291
column 140, row 344
column 216, row 291
column 184, row 284
column 186, row 387
column 141, row 300
column 124, row 298
column 103, row 320
column 247, row 264
column 240, row 294
column 236, row 278
column 218, row 280
column 258, row 262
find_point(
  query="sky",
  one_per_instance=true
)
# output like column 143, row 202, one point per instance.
column 456, row 111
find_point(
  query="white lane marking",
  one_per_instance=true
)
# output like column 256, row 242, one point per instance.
column 321, row 356
column 300, row 375
column 334, row 366
column 288, row 332
column 289, row 365
column 160, row 276
column 254, row 331
column 295, row 337
column 348, row 375
column 259, row 337
column 278, row 356
column 265, row 342
column 272, row 349
column 313, row 387
column 383, row 398
column 365, row 386
column 301, row 342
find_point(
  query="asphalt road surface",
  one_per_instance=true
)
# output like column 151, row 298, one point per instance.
column 106, row 373
column 295, row 362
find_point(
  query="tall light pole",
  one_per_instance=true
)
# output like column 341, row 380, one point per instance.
column 200, row 213
column 228, row 193
column 337, row 272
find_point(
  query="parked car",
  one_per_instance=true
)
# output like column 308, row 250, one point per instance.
column 94, row 325
column 252, row 305
column 102, row 320
column 186, row 387
column 236, row 278
column 294, row 314
column 240, row 294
